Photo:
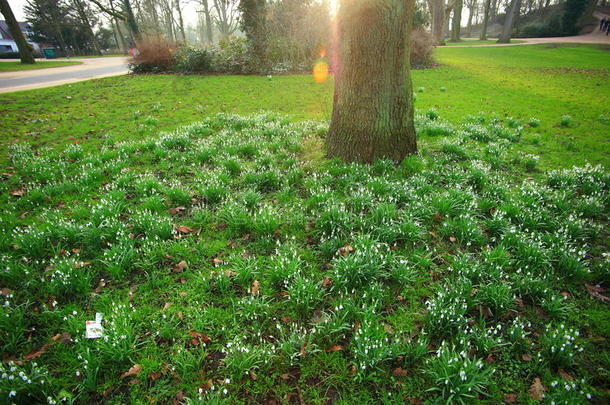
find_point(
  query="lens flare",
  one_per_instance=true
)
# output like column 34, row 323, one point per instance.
column 320, row 71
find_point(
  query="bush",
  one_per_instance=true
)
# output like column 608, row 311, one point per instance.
column 190, row 59
column 153, row 57
column 231, row 56
column 421, row 48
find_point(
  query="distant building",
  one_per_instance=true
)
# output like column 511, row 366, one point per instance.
column 7, row 44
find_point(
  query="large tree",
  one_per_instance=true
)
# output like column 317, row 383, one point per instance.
column 456, row 24
column 483, row 36
column 511, row 15
column 373, row 107
column 437, row 16
column 25, row 52
column 253, row 24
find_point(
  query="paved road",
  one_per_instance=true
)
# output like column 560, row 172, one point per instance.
column 594, row 37
column 90, row 69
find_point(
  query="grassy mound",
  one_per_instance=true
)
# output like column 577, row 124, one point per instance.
column 233, row 264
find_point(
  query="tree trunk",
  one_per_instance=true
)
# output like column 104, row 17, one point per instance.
column 180, row 20
column 507, row 30
column 470, row 15
column 483, row 36
column 373, row 100
column 25, row 51
column 208, row 21
column 437, row 12
column 83, row 16
column 456, row 24
column 130, row 18
column 119, row 31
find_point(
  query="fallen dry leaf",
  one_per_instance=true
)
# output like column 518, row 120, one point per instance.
column 596, row 291
column 217, row 261
column 179, row 267
column 167, row 305
column 399, row 372
column 133, row 370
column 184, row 229
column 37, row 353
column 18, row 193
column 490, row 358
column 335, row 348
column 177, row 210
column 526, row 357
column 62, row 337
column 346, row 250
column 327, row 282
column 510, row 398
column 255, row 287
column 154, row 376
column 388, row 328
column 199, row 337
column 564, row 374
column 452, row 239
column 537, row 390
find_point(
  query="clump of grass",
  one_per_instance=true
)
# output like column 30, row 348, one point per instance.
column 566, row 121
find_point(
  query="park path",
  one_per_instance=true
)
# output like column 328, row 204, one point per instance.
column 91, row 68
column 595, row 37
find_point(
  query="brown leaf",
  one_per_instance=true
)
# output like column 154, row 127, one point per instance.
column 179, row 267
column 179, row 398
column 564, row 374
column 255, row 287
column 526, row 357
column 490, row 358
column 510, row 398
column 452, row 239
column 346, row 250
column 199, row 337
column 399, row 372
column 167, row 305
column 327, row 282
column 596, row 291
column 335, row 348
column 99, row 287
column 352, row 370
column 18, row 193
column 566, row 294
column 177, row 210
column 388, row 328
column 184, row 229
column 37, row 353
column 79, row 265
column 154, row 376
column 537, row 390
column 133, row 370
column 62, row 337
column 217, row 261
column 252, row 375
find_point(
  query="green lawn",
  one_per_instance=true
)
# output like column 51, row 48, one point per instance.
column 17, row 66
column 522, row 82
column 232, row 263
column 476, row 41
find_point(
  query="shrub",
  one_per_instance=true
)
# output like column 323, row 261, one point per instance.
column 190, row 59
column 153, row 57
column 421, row 48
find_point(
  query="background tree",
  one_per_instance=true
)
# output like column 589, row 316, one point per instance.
column 253, row 24
column 486, row 12
column 473, row 6
column 372, row 109
column 437, row 17
column 456, row 24
column 226, row 17
column 507, row 29
column 25, row 51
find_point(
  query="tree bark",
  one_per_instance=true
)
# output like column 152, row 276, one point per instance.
column 437, row 11
column 483, row 36
column 25, row 51
column 180, row 20
column 83, row 16
column 507, row 30
column 456, row 24
column 373, row 107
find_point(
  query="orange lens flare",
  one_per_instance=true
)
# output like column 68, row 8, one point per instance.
column 320, row 71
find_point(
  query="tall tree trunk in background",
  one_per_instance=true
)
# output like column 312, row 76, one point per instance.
column 483, row 36
column 507, row 30
column 253, row 24
column 437, row 12
column 471, row 11
column 180, row 19
column 208, row 21
column 119, row 31
column 83, row 16
column 373, row 107
column 456, row 24
column 130, row 18
column 25, row 51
